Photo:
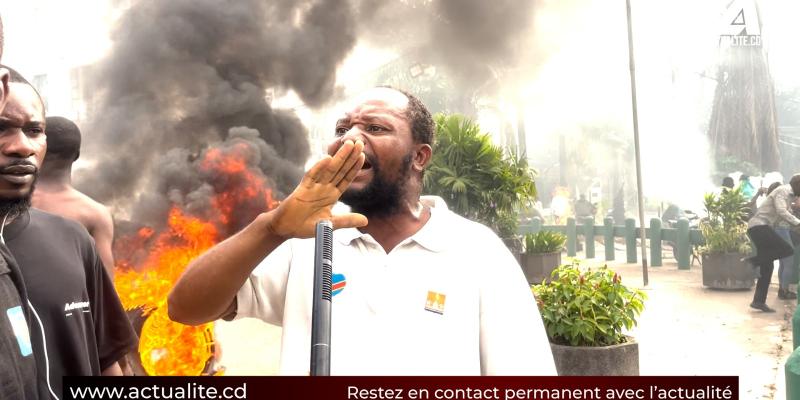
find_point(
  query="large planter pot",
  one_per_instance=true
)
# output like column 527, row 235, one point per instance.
column 539, row 266
column 513, row 243
column 727, row 271
column 617, row 360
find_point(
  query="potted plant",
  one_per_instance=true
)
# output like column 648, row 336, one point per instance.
column 542, row 254
column 726, row 243
column 585, row 313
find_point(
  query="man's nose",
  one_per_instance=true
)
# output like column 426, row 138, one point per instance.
column 353, row 134
column 18, row 144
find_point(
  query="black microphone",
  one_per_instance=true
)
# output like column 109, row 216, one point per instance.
column 321, row 309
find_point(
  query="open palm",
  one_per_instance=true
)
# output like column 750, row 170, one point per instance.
column 320, row 189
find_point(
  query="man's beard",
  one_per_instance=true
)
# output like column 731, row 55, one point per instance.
column 16, row 206
column 381, row 197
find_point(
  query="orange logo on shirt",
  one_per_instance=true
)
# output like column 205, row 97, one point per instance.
column 435, row 302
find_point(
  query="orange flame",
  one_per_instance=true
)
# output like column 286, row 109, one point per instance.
column 150, row 262
column 560, row 204
column 244, row 185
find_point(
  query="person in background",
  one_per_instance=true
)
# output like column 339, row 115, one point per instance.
column 584, row 209
column 727, row 183
column 55, row 193
column 786, row 264
column 747, row 188
column 769, row 245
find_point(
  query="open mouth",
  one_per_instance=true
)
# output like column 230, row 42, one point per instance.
column 367, row 164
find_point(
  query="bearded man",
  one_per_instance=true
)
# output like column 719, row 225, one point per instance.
column 418, row 290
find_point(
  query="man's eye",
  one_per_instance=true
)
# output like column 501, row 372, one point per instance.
column 340, row 130
column 375, row 128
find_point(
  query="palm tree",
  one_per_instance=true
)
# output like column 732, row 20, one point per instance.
column 478, row 180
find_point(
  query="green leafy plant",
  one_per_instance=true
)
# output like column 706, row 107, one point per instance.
column 728, row 163
column 725, row 228
column 543, row 242
column 587, row 307
column 477, row 179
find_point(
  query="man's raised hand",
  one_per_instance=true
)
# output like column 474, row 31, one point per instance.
column 320, row 189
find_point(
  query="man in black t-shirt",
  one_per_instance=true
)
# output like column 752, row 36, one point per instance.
column 78, row 326
column 17, row 363
column 78, row 319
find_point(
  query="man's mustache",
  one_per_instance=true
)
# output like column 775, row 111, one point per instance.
column 18, row 167
column 370, row 159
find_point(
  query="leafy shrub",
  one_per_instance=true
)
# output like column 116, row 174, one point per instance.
column 544, row 242
column 587, row 308
column 725, row 228
column 476, row 178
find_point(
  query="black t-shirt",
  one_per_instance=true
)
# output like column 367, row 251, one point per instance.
column 17, row 363
column 74, row 302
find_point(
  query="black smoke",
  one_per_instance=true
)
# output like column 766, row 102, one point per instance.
column 186, row 76
column 181, row 73
column 473, row 40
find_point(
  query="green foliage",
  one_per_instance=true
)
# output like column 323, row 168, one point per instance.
column 587, row 308
column 477, row 179
column 725, row 228
column 544, row 242
column 727, row 163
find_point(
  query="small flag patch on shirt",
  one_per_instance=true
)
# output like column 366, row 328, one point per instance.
column 338, row 282
column 435, row 302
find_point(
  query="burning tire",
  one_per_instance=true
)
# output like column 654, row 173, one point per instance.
column 170, row 348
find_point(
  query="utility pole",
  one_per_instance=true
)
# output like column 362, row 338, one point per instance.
column 642, row 234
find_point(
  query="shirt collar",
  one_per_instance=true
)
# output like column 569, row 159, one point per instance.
column 15, row 227
column 429, row 236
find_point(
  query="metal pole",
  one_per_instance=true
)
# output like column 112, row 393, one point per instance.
column 642, row 234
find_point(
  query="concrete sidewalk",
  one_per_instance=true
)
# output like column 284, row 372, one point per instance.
column 685, row 329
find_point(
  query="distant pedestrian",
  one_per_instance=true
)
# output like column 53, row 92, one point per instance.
column 727, row 183
column 747, row 188
column 584, row 209
column 786, row 273
column 769, row 245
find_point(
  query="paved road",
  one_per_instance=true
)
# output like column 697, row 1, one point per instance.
column 685, row 329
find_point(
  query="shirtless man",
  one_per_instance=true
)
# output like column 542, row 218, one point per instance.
column 55, row 194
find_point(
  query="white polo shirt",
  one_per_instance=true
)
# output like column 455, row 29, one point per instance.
column 449, row 300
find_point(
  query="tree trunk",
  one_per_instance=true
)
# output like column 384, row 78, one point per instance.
column 743, row 119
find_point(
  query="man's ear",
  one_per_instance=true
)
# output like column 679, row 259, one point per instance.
column 4, row 77
column 422, row 157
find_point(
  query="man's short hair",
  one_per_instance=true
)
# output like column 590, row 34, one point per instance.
column 727, row 182
column 16, row 77
column 419, row 118
column 63, row 139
